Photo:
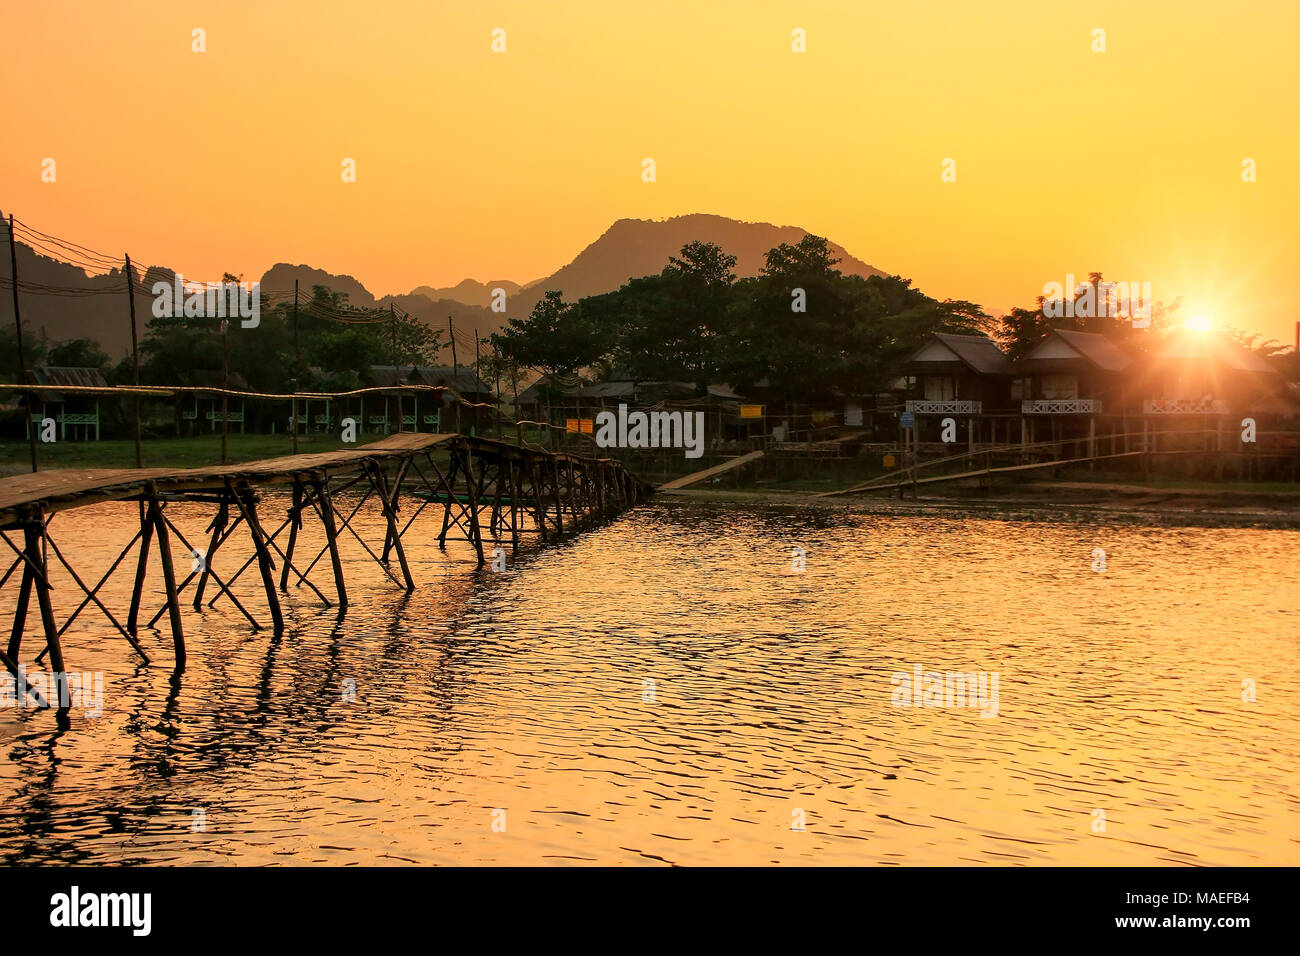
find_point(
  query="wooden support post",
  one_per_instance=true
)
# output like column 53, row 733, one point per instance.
column 217, row 527
column 33, row 533
column 535, row 491
column 476, row 534
column 494, row 526
column 295, row 522
column 247, row 504
column 141, row 567
column 555, row 494
column 450, row 487
column 169, row 576
column 1146, row 448
column 573, row 504
column 20, row 613
column 516, row 490
column 388, row 500
column 331, row 535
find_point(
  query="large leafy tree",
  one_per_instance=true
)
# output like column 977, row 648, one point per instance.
column 556, row 337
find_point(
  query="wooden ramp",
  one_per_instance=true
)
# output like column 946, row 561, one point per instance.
column 61, row 488
column 696, row 477
column 1003, row 469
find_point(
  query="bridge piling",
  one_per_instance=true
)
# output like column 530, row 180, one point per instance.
column 169, row 577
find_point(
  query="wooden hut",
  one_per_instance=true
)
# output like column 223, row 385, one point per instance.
column 468, row 403
column 70, row 409
column 1066, row 381
column 198, row 408
column 957, row 376
column 1206, row 373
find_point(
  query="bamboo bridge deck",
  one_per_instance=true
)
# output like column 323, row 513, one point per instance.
column 483, row 488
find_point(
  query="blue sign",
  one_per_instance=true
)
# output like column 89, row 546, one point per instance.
column 907, row 420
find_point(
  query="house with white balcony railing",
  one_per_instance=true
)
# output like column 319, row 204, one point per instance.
column 1066, row 382
column 949, row 407
column 77, row 414
column 1061, row 406
column 1185, row 406
column 1195, row 374
column 955, row 376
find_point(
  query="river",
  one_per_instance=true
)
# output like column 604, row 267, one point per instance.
column 671, row 688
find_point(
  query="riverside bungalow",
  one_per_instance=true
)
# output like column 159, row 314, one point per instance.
column 451, row 411
column 956, row 376
column 1207, row 373
column 1205, row 382
column 396, row 409
column 198, row 408
column 67, row 408
column 381, row 413
column 1066, row 381
column 572, row 408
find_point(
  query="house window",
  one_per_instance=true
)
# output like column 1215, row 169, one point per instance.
column 1060, row 386
column 940, row 388
column 1018, row 390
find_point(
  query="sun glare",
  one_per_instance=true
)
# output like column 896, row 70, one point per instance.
column 1198, row 323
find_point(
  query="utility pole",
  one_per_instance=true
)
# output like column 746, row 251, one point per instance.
column 477, row 378
column 18, row 328
column 496, row 381
column 297, row 371
column 225, row 386
column 392, row 354
column 392, row 331
column 135, row 355
column 455, row 368
column 514, row 384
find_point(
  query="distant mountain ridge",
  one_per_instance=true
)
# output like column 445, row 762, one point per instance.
column 628, row 249
column 632, row 248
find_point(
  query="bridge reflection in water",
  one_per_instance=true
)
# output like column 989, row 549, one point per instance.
column 479, row 485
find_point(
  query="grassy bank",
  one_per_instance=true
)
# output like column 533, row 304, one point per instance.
column 15, row 457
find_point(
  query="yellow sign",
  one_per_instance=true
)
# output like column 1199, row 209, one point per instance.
column 584, row 426
column 889, row 461
column 751, row 411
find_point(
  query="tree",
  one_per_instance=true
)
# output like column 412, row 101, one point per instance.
column 34, row 348
column 78, row 353
column 555, row 338
column 1021, row 329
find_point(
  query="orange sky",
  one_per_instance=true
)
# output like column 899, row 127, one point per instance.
column 505, row 165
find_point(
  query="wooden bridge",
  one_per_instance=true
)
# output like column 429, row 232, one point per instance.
column 479, row 485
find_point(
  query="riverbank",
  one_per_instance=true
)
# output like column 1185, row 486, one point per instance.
column 1273, row 505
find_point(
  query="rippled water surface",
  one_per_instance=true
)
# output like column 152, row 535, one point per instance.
column 668, row 689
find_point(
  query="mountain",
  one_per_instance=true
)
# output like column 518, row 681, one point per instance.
column 280, row 278
column 71, row 305
column 432, row 306
column 628, row 249
column 469, row 292
column 638, row 247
